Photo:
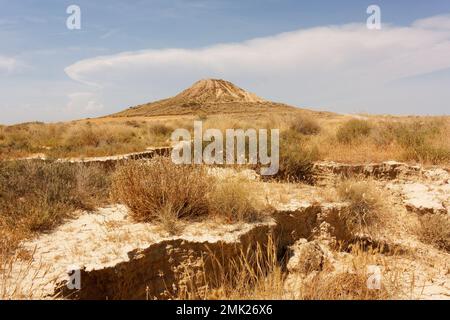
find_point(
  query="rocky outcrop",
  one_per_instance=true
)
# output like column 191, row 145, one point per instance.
column 305, row 257
column 301, row 219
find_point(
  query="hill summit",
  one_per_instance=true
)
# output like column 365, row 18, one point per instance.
column 216, row 91
column 207, row 96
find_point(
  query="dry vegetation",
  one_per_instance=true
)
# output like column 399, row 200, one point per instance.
column 81, row 139
column 254, row 274
column 147, row 188
column 37, row 196
column 435, row 229
column 367, row 206
column 415, row 140
column 257, row 274
column 160, row 191
column 305, row 135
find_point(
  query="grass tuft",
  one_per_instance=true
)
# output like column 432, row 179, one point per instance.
column 366, row 209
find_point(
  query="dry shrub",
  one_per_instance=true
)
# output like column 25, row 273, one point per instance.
column 353, row 130
column 419, row 140
column 81, row 138
column 149, row 187
column 36, row 196
column 366, row 210
column 296, row 158
column 435, row 229
column 305, row 125
column 134, row 123
column 160, row 129
column 233, row 200
column 161, row 191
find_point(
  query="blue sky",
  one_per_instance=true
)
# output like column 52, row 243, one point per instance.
column 316, row 54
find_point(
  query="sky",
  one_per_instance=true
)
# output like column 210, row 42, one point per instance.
column 314, row 54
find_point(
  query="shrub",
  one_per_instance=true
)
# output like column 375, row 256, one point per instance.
column 305, row 125
column 149, row 187
column 353, row 130
column 134, row 123
column 160, row 129
column 417, row 138
column 435, row 229
column 296, row 158
column 365, row 210
column 233, row 200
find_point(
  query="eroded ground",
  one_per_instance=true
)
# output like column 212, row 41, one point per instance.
column 122, row 259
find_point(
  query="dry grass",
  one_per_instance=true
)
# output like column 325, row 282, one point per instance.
column 378, row 138
column 37, row 196
column 149, row 187
column 255, row 274
column 296, row 157
column 366, row 210
column 416, row 140
column 306, row 125
column 352, row 283
column 353, row 131
column 161, row 191
column 234, row 201
column 435, row 229
column 84, row 138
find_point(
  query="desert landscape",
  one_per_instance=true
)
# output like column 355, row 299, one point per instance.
column 358, row 210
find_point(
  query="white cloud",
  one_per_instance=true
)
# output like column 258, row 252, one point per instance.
column 7, row 64
column 84, row 102
column 338, row 66
column 436, row 22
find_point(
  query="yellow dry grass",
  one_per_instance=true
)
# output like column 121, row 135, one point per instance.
column 335, row 137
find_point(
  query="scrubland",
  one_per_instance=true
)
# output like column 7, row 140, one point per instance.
column 318, row 136
column 37, row 196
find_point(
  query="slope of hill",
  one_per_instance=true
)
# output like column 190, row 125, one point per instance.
column 209, row 96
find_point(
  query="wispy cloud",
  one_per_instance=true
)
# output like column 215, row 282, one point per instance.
column 329, row 65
